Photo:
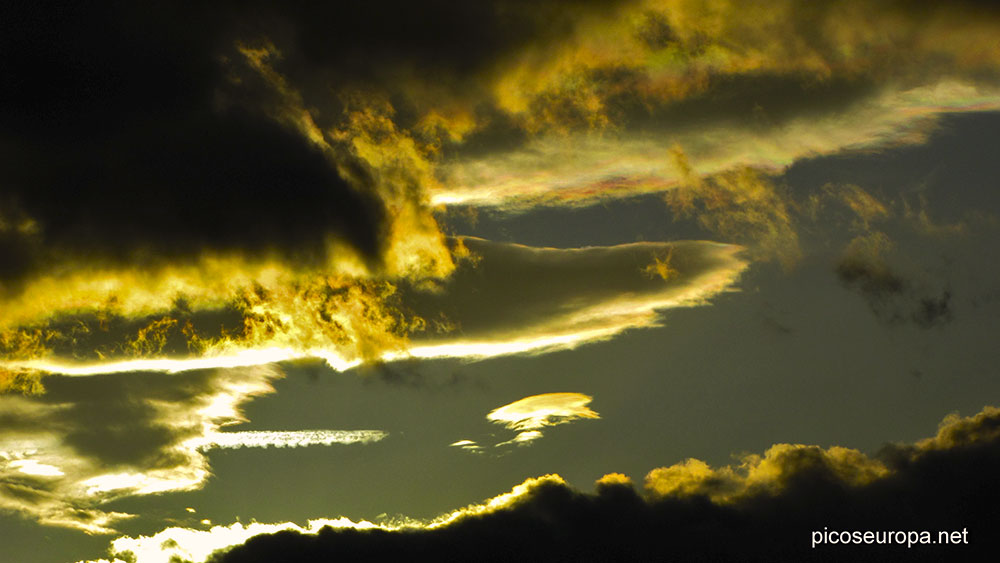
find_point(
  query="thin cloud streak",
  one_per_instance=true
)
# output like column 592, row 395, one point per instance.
column 287, row 439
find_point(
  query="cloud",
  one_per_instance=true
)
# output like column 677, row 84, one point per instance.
column 283, row 315
column 740, row 205
column 257, row 133
column 522, row 438
column 503, row 299
column 658, row 53
column 88, row 441
column 582, row 169
column 530, row 414
column 143, row 158
column 184, row 544
column 766, row 507
column 180, row 166
column 276, row 141
column 288, row 438
column 521, row 300
column 467, row 445
column 259, row 171
column 893, row 298
column 733, row 85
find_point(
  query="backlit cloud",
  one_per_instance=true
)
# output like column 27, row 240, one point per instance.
column 509, row 299
column 194, row 194
column 528, row 416
column 523, row 300
column 281, row 193
column 538, row 411
column 91, row 440
column 588, row 168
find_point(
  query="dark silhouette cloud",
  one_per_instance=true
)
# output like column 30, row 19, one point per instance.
column 120, row 145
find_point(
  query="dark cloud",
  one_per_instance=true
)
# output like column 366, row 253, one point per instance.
column 140, row 133
column 518, row 290
column 892, row 297
column 382, row 42
column 755, row 101
column 119, row 144
column 934, row 310
column 112, row 419
column 871, row 277
column 946, row 483
column 89, row 440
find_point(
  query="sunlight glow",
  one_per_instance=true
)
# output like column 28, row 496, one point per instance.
column 33, row 467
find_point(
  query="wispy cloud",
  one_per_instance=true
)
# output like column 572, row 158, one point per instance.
column 468, row 445
column 587, row 169
column 288, row 439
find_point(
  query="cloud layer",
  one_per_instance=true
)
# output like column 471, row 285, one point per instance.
column 502, row 299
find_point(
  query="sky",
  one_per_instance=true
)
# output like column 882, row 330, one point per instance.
column 632, row 280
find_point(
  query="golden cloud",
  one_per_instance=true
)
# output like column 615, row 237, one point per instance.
column 538, row 411
column 281, row 315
